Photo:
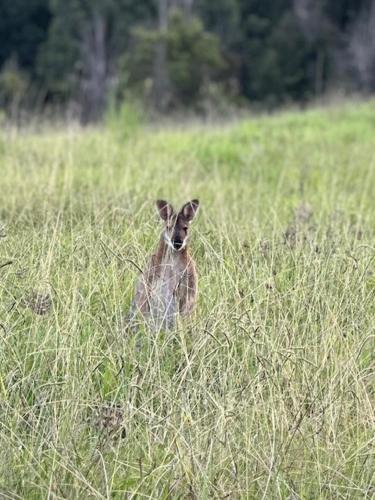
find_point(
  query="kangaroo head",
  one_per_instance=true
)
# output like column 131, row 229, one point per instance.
column 176, row 229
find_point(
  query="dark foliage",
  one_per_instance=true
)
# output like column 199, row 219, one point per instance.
column 170, row 53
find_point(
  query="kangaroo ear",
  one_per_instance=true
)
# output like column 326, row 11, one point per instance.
column 190, row 209
column 165, row 209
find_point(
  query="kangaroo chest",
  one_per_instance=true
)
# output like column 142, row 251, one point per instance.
column 169, row 274
column 163, row 296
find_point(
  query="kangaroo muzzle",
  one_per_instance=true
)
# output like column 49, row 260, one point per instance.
column 177, row 244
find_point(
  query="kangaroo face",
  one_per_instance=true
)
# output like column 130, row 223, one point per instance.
column 176, row 233
column 176, row 230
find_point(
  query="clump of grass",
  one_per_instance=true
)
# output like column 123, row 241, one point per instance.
column 267, row 392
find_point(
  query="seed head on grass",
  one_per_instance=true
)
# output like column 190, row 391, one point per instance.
column 40, row 303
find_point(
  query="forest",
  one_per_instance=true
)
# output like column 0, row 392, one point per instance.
column 80, row 57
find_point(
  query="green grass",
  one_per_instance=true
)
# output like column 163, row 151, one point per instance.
column 268, row 391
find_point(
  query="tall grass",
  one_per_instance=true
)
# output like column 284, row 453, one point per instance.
column 268, row 390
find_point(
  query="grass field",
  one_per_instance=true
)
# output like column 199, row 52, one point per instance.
column 268, row 390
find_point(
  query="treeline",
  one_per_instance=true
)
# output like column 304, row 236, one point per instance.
column 83, row 55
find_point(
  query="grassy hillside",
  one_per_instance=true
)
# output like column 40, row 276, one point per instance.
column 268, row 391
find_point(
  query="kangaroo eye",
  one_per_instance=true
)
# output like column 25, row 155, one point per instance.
column 185, row 228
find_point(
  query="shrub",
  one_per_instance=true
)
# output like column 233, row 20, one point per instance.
column 14, row 86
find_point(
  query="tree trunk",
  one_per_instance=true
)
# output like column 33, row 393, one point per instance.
column 361, row 48
column 161, row 87
column 95, row 69
column 186, row 6
column 319, row 72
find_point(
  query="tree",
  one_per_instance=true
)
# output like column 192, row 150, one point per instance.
column 274, row 55
column 161, row 86
column 161, row 89
column 361, row 48
column 193, row 58
column 23, row 28
column 80, row 56
column 221, row 17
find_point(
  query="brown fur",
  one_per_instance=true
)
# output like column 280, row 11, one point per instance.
column 168, row 286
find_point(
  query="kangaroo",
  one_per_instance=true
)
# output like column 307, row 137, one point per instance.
column 168, row 286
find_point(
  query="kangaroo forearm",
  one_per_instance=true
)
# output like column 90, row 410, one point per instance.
column 188, row 295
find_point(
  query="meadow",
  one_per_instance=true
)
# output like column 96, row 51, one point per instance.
column 267, row 391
